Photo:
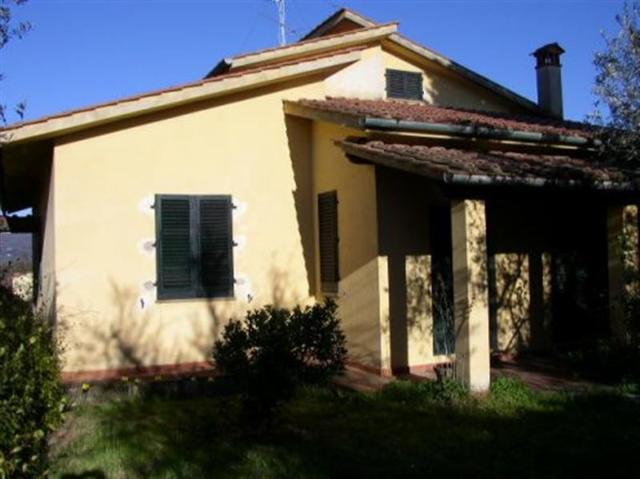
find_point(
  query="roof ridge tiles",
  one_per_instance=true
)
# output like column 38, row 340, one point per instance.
column 311, row 40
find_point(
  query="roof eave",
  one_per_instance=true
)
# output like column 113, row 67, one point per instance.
column 411, row 165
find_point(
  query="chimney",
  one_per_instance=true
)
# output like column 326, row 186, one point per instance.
column 549, row 76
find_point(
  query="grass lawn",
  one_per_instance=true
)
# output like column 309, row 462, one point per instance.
column 404, row 431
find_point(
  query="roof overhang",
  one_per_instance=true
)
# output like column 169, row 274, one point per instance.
column 439, row 169
column 24, row 172
column 436, row 129
column 77, row 120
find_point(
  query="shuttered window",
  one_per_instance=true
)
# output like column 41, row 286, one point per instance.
column 328, row 231
column 403, row 84
column 194, row 246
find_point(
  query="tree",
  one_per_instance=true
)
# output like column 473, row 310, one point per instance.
column 10, row 29
column 617, row 86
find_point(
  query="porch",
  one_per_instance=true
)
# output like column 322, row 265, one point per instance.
column 481, row 265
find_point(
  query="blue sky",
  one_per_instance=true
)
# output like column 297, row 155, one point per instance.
column 83, row 52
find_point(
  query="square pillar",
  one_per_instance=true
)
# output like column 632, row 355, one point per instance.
column 470, row 291
column 622, row 234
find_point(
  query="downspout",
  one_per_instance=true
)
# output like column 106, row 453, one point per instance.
column 3, row 189
column 476, row 132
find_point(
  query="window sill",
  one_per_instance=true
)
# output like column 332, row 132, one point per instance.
column 196, row 300
column 332, row 290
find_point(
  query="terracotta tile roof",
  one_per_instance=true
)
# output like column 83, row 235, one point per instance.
column 271, row 66
column 422, row 112
column 442, row 163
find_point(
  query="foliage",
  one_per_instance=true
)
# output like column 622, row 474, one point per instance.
column 508, row 394
column 274, row 350
column 617, row 86
column 323, row 433
column 31, row 395
column 9, row 30
column 446, row 390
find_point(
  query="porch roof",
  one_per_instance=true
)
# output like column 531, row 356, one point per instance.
column 460, row 166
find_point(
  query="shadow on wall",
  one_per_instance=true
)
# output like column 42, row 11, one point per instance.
column 134, row 337
column 299, row 136
column 547, row 271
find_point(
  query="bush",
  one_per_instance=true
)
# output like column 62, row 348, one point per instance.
column 275, row 350
column 31, row 395
column 511, row 389
column 511, row 393
column 446, row 390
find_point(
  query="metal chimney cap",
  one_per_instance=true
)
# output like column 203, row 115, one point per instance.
column 548, row 55
column 552, row 48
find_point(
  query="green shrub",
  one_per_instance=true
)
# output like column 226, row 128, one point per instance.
column 445, row 390
column 31, row 395
column 511, row 392
column 275, row 350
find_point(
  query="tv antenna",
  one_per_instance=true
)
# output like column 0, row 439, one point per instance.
column 282, row 21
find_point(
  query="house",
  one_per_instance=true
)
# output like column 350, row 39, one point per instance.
column 449, row 216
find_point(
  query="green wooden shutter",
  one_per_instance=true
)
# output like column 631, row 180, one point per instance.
column 328, row 232
column 176, row 275
column 215, row 246
column 403, row 84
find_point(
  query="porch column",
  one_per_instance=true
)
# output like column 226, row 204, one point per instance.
column 470, row 290
column 622, row 231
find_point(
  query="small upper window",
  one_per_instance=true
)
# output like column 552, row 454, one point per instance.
column 404, row 84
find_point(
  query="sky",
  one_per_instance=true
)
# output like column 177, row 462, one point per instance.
column 82, row 52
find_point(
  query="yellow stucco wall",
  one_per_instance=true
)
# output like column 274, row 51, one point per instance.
column 363, row 288
column 444, row 89
column 104, row 186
